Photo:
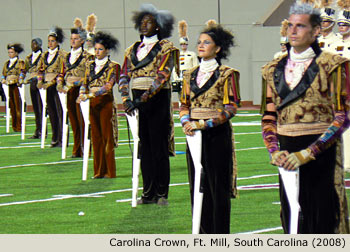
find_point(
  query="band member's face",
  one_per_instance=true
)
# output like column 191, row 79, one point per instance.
column 12, row 53
column 35, row 46
column 52, row 42
column 283, row 47
column 76, row 41
column 89, row 43
column 207, row 49
column 148, row 26
column 183, row 46
column 100, row 51
column 300, row 32
column 343, row 28
column 326, row 25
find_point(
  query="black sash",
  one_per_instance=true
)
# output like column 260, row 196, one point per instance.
column 13, row 65
column 145, row 61
column 93, row 75
column 309, row 76
column 35, row 62
column 76, row 63
column 52, row 61
column 193, row 83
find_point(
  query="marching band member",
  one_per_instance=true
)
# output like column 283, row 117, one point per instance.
column 75, row 67
column 146, row 73
column 100, row 76
column 51, row 73
column 13, row 74
column 210, row 96
column 32, row 70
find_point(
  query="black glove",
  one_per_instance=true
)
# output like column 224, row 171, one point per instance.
column 130, row 106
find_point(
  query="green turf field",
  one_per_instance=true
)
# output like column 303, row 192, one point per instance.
column 42, row 194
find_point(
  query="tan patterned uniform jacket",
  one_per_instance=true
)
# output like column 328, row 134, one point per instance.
column 53, row 71
column 12, row 74
column 76, row 72
column 142, row 77
column 32, row 69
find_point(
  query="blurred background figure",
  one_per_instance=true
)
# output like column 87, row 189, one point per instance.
column 283, row 40
column 90, row 26
column 327, row 37
column 187, row 59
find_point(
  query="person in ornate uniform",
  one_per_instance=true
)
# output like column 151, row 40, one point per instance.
column 187, row 59
column 51, row 74
column 100, row 76
column 75, row 67
column 32, row 70
column 283, row 40
column 146, row 73
column 343, row 48
column 90, row 26
column 327, row 37
column 305, row 107
column 13, row 74
column 209, row 99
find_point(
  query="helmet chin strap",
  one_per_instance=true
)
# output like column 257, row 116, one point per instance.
column 328, row 27
column 345, row 33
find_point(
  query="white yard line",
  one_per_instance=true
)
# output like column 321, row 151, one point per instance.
column 69, row 196
column 99, row 194
column 52, row 163
column 262, row 230
column 5, row 195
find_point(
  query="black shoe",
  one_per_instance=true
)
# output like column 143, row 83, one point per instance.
column 144, row 201
column 162, row 201
column 56, row 144
column 34, row 137
column 76, row 156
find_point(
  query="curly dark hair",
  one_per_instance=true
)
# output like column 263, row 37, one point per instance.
column 16, row 46
column 107, row 40
column 57, row 33
column 222, row 38
column 164, row 19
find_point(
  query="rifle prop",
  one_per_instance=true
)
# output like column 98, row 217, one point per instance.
column 85, row 110
column 65, row 125
column 136, row 163
column 43, row 94
column 8, row 111
column 22, row 93
column 291, row 185
column 195, row 146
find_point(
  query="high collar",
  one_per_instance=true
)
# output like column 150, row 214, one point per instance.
column 101, row 62
column 150, row 40
column 76, row 51
column 53, row 51
column 302, row 57
column 207, row 66
column 13, row 60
